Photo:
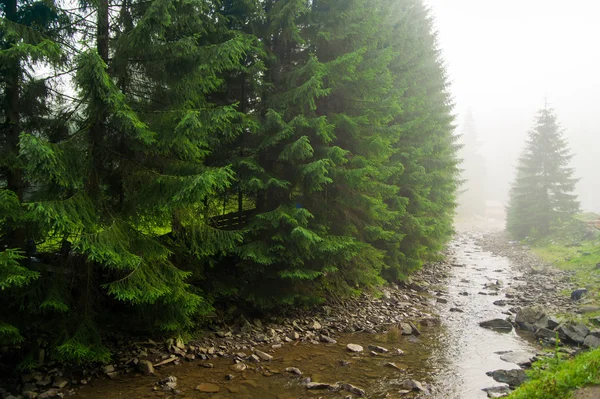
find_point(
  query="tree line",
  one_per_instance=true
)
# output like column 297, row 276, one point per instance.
column 160, row 159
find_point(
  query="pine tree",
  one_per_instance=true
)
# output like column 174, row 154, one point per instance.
column 542, row 195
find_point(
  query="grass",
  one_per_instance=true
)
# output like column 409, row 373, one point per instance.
column 552, row 380
column 576, row 248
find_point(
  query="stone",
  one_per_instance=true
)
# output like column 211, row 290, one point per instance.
column 207, row 365
column 457, row 310
column 528, row 316
column 262, row 355
column 406, row 329
column 513, row 378
column 354, row 348
column 521, row 358
column 208, row 387
column 500, row 325
column 379, row 349
column 575, row 332
column 29, row 394
column 413, row 385
column 442, row 300
column 254, row 358
column 545, row 333
column 60, row 383
column 578, row 293
column 393, row 365
column 353, row 389
column 294, row 370
column 145, row 367
column 327, row 340
column 316, row 325
column 108, row 369
column 591, row 341
column 51, row 394
column 320, row 385
column 497, row 392
column 239, row 367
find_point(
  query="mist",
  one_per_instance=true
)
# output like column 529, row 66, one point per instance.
column 504, row 60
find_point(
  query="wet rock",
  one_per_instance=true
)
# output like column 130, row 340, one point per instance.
column 294, row 370
column 500, row 302
column 578, row 293
column 108, row 369
column 328, row 340
column 353, row 389
column 513, row 378
column 527, row 317
column 208, row 387
column 442, row 300
column 238, row 367
column 207, row 365
column 413, row 385
column 415, row 330
column 575, row 332
column 145, row 367
column 588, row 309
column 354, row 348
column 262, row 355
column 316, row 325
column 379, row 349
column 464, row 293
column 320, row 385
column 497, row 325
column 545, row 333
column 60, row 383
column 522, row 359
column 457, row 310
column 393, row 365
column 169, row 383
column 497, row 392
column 29, row 394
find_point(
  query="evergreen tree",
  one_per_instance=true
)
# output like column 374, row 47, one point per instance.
column 473, row 192
column 542, row 195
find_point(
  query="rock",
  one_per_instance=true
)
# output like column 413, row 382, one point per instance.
column 527, row 317
column 51, row 394
column 415, row 330
column 522, row 359
column 379, row 349
column 239, row 367
column 575, row 332
column 413, row 385
column 166, row 361
column 29, row 394
column 393, row 365
column 398, row 351
column 208, row 387
column 254, row 358
column 591, row 341
column 328, row 340
column 262, row 355
column 578, row 293
column 545, row 333
column 406, row 329
column 207, row 365
column 497, row 392
column 108, row 369
column 294, row 370
column 316, row 325
column 353, row 390
column 169, row 383
column 442, row 300
column 589, row 309
column 497, row 325
column 60, row 383
column 354, row 348
column 145, row 367
column 513, row 378
column 465, row 293
column 457, row 310
column 500, row 302
column 320, row 385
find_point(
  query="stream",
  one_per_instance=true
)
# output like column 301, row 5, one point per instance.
column 451, row 359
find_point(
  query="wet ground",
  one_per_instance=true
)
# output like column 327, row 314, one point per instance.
column 451, row 359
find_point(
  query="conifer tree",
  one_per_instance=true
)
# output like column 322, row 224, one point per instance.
column 473, row 191
column 542, row 195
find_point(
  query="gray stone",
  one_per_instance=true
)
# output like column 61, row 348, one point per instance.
column 497, row 325
column 353, row 390
column 328, row 340
column 294, row 370
column 591, row 341
column 29, row 394
column 354, row 348
column 545, row 333
column 320, row 385
column 528, row 316
column 406, row 329
column 60, row 383
column 413, row 385
column 51, row 394
column 262, row 355
column 208, row 387
column 522, row 359
column 497, row 392
column 379, row 349
column 514, row 377
column 575, row 332
column 108, row 369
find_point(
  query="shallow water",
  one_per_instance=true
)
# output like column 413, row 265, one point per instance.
column 451, row 359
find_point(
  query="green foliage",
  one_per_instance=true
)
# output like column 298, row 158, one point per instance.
column 324, row 129
column 551, row 379
column 542, row 196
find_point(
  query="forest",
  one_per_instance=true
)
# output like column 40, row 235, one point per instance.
column 163, row 161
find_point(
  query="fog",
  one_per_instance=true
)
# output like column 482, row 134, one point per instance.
column 504, row 58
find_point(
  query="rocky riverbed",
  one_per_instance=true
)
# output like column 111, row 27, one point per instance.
column 419, row 339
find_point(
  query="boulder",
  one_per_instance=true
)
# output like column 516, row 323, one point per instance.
column 522, row 359
column 406, row 329
column 513, row 378
column 591, row 341
column 575, row 332
column 145, row 367
column 353, row 390
column 528, row 316
column 497, row 325
column 497, row 392
column 379, row 349
column 294, row 370
column 545, row 333
column 578, row 293
column 320, row 385
column 413, row 385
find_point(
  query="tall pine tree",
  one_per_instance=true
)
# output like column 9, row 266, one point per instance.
column 542, row 195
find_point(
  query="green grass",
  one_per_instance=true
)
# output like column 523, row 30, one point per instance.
column 558, row 380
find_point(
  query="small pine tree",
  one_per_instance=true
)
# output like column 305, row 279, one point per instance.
column 542, row 194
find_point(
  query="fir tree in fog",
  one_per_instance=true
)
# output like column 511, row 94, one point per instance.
column 473, row 194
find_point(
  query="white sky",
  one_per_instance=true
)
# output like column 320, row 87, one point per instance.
column 504, row 57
